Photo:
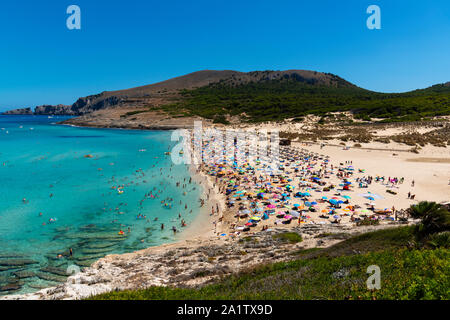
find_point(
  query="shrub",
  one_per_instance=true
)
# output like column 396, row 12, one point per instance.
column 440, row 240
column 220, row 118
column 291, row 237
column 435, row 218
column 368, row 222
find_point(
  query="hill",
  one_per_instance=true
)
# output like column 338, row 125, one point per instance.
column 169, row 88
column 278, row 99
column 269, row 96
column 413, row 263
column 337, row 272
column 224, row 96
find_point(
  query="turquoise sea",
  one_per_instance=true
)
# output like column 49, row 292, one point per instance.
column 63, row 187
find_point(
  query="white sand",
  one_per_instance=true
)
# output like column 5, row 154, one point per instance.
column 430, row 170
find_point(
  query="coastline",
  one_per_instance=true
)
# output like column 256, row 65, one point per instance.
column 200, row 229
column 122, row 271
column 203, row 224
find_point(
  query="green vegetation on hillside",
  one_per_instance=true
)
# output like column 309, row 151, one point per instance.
column 274, row 100
column 405, row 274
column 414, row 263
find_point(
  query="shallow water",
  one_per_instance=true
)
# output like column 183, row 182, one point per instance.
column 45, row 174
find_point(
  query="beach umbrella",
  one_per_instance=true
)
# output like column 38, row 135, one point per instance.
column 295, row 213
column 346, row 197
column 324, row 198
column 255, row 218
column 371, row 195
column 271, row 206
column 287, row 217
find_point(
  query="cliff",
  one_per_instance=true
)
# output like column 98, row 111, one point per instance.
column 59, row 109
column 22, row 111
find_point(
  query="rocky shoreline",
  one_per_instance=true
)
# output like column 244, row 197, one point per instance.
column 132, row 118
column 58, row 110
column 192, row 263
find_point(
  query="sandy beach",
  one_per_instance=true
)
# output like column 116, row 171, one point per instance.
column 320, row 189
column 430, row 170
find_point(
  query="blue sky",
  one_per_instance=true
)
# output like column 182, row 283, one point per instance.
column 124, row 44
